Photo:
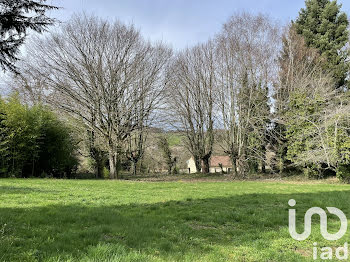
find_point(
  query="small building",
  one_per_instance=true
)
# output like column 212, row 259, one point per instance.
column 215, row 165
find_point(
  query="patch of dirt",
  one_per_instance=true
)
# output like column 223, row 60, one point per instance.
column 304, row 252
column 226, row 178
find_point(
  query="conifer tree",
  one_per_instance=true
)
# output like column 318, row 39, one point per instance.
column 324, row 27
column 16, row 18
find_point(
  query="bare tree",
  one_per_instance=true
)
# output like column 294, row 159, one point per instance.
column 29, row 85
column 246, row 53
column 104, row 74
column 191, row 100
column 136, row 142
column 297, row 62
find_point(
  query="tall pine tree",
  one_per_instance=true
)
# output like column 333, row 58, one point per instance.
column 324, row 27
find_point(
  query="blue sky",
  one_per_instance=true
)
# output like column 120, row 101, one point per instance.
column 180, row 23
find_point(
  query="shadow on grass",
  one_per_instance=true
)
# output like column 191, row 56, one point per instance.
column 174, row 230
column 22, row 190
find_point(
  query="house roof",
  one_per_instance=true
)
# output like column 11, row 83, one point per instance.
column 224, row 160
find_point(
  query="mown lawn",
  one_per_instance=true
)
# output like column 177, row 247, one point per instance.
column 72, row 220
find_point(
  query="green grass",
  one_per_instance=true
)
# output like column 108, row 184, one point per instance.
column 77, row 220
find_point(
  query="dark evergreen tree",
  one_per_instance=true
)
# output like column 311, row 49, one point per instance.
column 324, row 26
column 164, row 146
column 16, row 18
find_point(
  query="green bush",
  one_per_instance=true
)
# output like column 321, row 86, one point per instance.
column 105, row 172
column 34, row 142
column 312, row 172
column 253, row 167
column 343, row 173
column 175, row 171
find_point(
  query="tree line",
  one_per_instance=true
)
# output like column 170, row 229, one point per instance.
column 255, row 87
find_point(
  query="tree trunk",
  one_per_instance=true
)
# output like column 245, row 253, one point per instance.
column 234, row 166
column 99, row 164
column 112, row 166
column 263, row 160
column 96, row 153
column 134, row 168
column 263, row 167
column 198, row 164
column 242, row 166
column 113, row 160
column 205, row 165
column 169, row 169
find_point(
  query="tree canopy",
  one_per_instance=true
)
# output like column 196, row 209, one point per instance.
column 324, row 27
column 17, row 17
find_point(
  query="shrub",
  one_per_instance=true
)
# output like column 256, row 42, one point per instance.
column 253, row 166
column 175, row 171
column 33, row 142
column 343, row 173
column 312, row 172
column 105, row 172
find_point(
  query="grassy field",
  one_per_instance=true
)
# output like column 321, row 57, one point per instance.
column 62, row 220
